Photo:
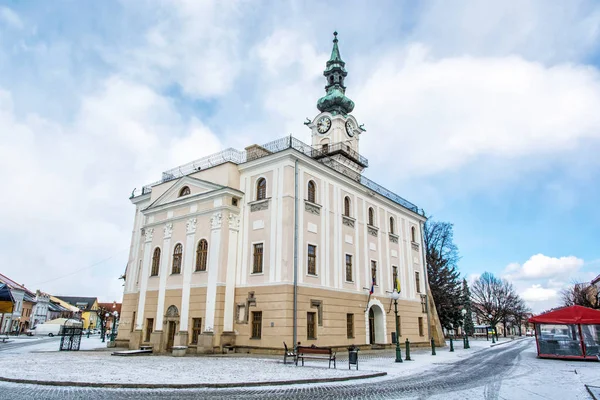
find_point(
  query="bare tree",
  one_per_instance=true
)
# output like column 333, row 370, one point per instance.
column 580, row 294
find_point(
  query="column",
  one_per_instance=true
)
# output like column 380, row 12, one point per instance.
column 213, row 265
column 188, row 268
column 234, row 227
column 139, row 322
column 164, row 272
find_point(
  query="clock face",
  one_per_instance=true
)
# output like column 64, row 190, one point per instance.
column 323, row 124
column 350, row 128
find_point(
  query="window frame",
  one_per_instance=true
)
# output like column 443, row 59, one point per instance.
column 313, row 316
column 374, row 275
column 177, row 257
column 349, row 326
column 392, row 225
column 262, row 258
column 313, row 257
column 201, row 264
column 149, row 329
column 256, row 327
column 155, row 260
column 371, row 217
column 417, row 281
column 413, row 234
column 351, row 280
column 261, row 190
column 196, row 330
column 347, row 206
column 394, row 277
column 311, row 191
column 421, row 328
column 183, row 189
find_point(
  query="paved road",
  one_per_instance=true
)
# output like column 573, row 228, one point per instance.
column 18, row 343
column 485, row 370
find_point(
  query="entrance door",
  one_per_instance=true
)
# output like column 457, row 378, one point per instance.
column 171, row 335
column 371, row 326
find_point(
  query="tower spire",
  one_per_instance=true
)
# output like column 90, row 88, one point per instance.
column 335, row 101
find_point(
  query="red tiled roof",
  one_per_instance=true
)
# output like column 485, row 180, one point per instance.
column 14, row 285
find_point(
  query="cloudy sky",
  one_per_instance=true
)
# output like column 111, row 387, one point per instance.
column 486, row 114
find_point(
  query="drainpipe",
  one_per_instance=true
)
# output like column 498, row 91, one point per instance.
column 295, row 254
column 427, row 290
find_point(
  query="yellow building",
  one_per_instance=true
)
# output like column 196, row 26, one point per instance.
column 87, row 306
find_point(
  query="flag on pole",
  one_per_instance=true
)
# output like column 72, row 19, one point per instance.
column 398, row 285
column 372, row 286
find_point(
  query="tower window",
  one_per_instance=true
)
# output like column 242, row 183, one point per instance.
column 201, row 255
column 392, row 228
column 347, row 206
column 371, row 216
column 312, row 192
column 155, row 262
column 184, row 191
column 413, row 234
column 177, row 256
column 261, row 189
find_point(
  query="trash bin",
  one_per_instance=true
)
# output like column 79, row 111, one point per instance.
column 353, row 356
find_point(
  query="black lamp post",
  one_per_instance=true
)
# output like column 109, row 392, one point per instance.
column 114, row 326
column 493, row 330
column 464, row 313
column 395, row 297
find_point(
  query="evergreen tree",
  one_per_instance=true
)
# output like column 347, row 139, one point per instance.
column 444, row 278
column 466, row 299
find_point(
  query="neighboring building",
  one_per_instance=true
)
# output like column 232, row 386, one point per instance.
column 88, row 307
column 41, row 310
column 58, row 310
column 27, row 312
column 594, row 291
column 12, row 322
column 213, row 246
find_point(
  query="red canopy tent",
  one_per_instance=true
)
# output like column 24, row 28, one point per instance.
column 569, row 332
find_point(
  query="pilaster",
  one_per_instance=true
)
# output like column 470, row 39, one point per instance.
column 139, row 322
column 164, row 272
column 188, row 268
column 214, row 253
column 234, row 227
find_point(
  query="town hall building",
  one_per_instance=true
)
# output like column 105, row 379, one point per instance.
column 281, row 242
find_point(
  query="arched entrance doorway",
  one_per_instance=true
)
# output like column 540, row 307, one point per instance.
column 172, row 320
column 376, row 332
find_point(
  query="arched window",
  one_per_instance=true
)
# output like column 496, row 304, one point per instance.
column 155, row 262
column 312, row 192
column 413, row 234
column 201, row 255
column 371, row 216
column 392, row 227
column 177, row 255
column 261, row 189
column 184, row 191
column 347, row 206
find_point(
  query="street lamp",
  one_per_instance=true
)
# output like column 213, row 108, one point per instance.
column 114, row 325
column 464, row 313
column 104, row 327
column 493, row 328
column 395, row 297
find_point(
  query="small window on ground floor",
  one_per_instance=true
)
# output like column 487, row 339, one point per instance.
column 256, row 324
column 311, row 326
column 350, row 326
column 149, row 327
column 421, row 330
column 196, row 329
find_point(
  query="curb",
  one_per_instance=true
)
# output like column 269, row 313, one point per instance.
column 188, row 385
column 591, row 392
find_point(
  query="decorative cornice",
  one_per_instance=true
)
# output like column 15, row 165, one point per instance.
column 149, row 233
column 216, row 221
column 393, row 238
column 259, row 205
column 168, row 231
column 348, row 221
column 234, row 221
column 414, row 245
column 372, row 230
column 190, row 226
column 312, row 207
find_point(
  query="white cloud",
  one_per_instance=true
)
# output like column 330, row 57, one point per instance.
column 540, row 266
column 10, row 18
column 536, row 293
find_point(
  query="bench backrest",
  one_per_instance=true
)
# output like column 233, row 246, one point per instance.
column 314, row 350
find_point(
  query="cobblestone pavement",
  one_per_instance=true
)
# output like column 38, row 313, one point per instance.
column 485, row 369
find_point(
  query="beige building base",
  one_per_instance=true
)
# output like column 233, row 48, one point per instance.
column 205, row 343
column 156, row 340
column 135, row 340
column 181, row 338
column 227, row 341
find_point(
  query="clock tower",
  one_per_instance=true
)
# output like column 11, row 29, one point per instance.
column 335, row 133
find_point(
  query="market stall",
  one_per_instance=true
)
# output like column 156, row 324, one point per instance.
column 569, row 332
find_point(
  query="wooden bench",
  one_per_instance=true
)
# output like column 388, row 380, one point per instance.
column 316, row 353
column 288, row 353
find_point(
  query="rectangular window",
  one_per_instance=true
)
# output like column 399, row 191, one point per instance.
column 149, row 326
column 374, row 272
column 312, row 259
column 350, row 326
column 258, row 259
column 418, row 282
column 133, row 322
column 311, row 329
column 395, row 282
column 256, row 324
column 348, row 268
column 421, row 331
column 196, row 329
column 423, row 303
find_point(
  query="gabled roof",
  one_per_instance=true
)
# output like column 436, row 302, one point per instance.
column 87, row 302
column 186, row 181
column 114, row 306
column 568, row 315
